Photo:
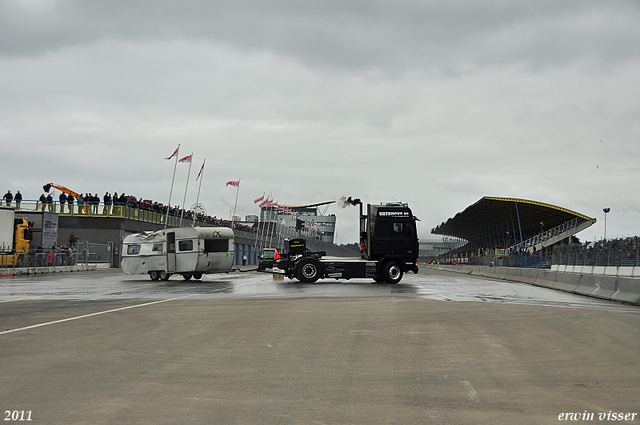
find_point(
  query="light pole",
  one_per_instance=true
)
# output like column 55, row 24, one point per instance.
column 606, row 210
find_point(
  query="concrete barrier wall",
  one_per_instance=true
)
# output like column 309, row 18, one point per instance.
column 599, row 282
column 627, row 291
column 567, row 282
column 546, row 278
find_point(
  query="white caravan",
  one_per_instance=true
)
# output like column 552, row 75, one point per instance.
column 188, row 251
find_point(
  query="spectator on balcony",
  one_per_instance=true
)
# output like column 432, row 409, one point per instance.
column 50, row 205
column 63, row 200
column 107, row 204
column 80, row 204
column 116, row 204
column 8, row 197
column 95, row 201
column 42, row 201
column 18, row 199
column 70, row 200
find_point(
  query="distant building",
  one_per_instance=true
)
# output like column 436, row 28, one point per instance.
column 307, row 220
column 251, row 219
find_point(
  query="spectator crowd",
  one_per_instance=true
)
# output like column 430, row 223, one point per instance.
column 115, row 204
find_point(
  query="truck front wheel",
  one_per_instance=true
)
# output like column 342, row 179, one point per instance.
column 392, row 272
column 309, row 270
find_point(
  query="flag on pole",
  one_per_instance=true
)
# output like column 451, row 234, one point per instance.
column 174, row 153
column 234, row 183
column 255, row 201
column 200, row 172
column 264, row 203
column 186, row 158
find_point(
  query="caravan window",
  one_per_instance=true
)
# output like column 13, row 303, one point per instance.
column 185, row 245
column 133, row 249
column 216, row 245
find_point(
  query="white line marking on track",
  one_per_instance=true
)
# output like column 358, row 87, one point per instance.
column 105, row 312
column 68, row 319
column 15, row 299
column 473, row 395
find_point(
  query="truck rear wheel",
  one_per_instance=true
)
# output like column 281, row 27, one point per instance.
column 154, row 275
column 392, row 272
column 164, row 276
column 308, row 270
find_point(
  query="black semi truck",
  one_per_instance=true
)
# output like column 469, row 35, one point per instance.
column 388, row 249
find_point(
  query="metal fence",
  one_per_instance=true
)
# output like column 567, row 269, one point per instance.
column 528, row 261
column 606, row 253
column 84, row 254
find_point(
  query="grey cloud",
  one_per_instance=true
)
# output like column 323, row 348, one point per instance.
column 357, row 35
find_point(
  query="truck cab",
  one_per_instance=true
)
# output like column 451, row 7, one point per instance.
column 388, row 249
column 388, row 231
column 15, row 239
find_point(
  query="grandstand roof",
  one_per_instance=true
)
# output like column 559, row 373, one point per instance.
column 496, row 216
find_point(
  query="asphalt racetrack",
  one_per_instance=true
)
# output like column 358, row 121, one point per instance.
column 245, row 348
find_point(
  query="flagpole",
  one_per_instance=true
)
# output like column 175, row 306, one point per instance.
column 199, row 186
column 274, row 227
column 267, row 216
column 185, row 189
column 255, row 245
column 261, row 221
column 236, row 204
column 166, row 221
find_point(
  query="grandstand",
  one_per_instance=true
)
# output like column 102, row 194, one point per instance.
column 496, row 227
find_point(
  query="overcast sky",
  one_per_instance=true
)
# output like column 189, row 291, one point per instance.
column 434, row 103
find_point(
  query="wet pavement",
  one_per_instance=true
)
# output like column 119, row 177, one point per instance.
column 428, row 284
column 247, row 348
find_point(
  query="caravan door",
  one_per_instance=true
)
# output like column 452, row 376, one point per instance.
column 171, row 252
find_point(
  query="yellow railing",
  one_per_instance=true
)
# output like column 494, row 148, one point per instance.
column 126, row 212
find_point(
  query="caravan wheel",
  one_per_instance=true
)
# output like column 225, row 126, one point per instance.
column 154, row 275
column 187, row 276
column 197, row 275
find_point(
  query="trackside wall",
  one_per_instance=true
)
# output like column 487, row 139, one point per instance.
column 606, row 286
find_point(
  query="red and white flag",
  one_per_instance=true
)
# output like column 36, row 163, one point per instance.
column 255, row 201
column 175, row 153
column 234, row 183
column 186, row 158
column 201, row 168
column 264, row 203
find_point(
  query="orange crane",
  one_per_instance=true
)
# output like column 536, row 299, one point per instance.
column 47, row 187
column 68, row 191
